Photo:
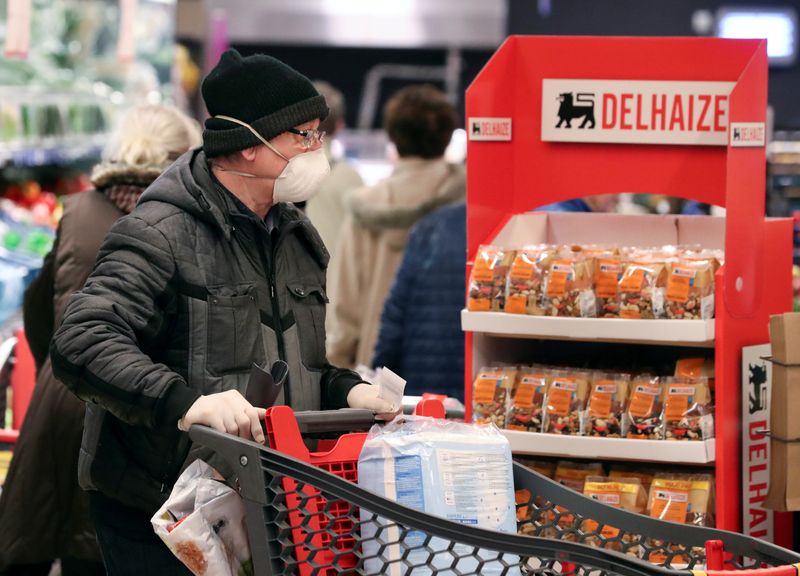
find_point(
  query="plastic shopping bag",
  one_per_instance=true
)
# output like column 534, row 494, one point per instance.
column 456, row 471
column 203, row 524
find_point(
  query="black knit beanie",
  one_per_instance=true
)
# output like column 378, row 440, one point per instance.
column 261, row 91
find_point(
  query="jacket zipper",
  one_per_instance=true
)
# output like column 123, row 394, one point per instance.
column 268, row 260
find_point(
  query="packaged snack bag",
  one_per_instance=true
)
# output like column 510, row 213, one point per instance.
column 644, row 408
column 490, row 395
column 487, row 285
column 687, row 409
column 526, row 279
column 606, row 404
column 573, row 474
column 625, row 493
column 696, row 368
column 690, row 289
column 527, row 402
column 608, row 269
column 565, row 402
column 641, row 289
column 669, row 501
column 669, row 498
column 644, row 475
column 568, row 286
column 701, row 501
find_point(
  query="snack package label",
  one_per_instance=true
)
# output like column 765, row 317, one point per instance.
column 536, row 380
column 559, row 400
column 479, row 304
column 633, row 279
column 515, row 304
column 670, row 505
column 525, row 395
column 680, row 281
column 607, row 280
column 522, row 268
column 602, row 399
column 630, row 314
column 483, row 271
column 485, row 387
column 642, row 401
column 560, row 274
column 677, row 403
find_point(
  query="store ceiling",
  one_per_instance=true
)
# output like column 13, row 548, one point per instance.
column 356, row 23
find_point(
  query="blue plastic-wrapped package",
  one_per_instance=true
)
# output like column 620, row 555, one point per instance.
column 457, row 471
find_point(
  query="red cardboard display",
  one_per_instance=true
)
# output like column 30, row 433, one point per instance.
column 509, row 177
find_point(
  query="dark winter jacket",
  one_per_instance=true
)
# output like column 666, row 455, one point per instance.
column 420, row 335
column 188, row 291
column 44, row 514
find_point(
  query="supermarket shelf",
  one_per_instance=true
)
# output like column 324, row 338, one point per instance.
column 55, row 151
column 665, row 332
column 612, row 448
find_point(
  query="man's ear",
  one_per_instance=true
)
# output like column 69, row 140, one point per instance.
column 249, row 154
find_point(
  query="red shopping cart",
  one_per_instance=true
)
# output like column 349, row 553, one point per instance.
column 305, row 515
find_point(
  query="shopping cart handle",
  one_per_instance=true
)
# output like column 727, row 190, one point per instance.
column 328, row 421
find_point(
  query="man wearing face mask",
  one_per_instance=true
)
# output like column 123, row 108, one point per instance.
column 214, row 270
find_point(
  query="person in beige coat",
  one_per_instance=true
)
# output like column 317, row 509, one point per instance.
column 420, row 121
column 326, row 209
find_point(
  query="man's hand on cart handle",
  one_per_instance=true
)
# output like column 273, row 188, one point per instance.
column 226, row 412
column 365, row 396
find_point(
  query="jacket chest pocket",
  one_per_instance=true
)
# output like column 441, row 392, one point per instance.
column 308, row 306
column 234, row 329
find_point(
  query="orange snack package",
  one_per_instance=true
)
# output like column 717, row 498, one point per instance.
column 527, row 403
column 607, row 397
column 641, row 289
column 644, row 409
column 524, row 288
column 566, row 399
column 690, row 289
column 687, row 409
column 487, row 284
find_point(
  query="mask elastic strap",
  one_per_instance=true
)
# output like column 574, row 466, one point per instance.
column 255, row 133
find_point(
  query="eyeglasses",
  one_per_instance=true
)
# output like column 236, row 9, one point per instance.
column 310, row 137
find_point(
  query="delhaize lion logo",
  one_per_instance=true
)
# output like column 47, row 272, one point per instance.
column 568, row 110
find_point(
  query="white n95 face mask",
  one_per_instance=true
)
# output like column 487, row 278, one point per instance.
column 300, row 178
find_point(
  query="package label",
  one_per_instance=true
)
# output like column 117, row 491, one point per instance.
column 637, row 112
column 560, row 274
column 643, row 400
column 607, row 280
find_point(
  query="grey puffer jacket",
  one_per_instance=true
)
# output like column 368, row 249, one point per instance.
column 187, row 292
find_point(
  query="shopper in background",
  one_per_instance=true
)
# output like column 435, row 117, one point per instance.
column 598, row 203
column 326, row 209
column 420, row 334
column 419, row 121
column 213, row 271
column 43, row 513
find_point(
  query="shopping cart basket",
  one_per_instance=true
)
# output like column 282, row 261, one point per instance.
column 306, row 516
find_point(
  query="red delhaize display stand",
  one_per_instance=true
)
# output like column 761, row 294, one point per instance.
column 555, row 118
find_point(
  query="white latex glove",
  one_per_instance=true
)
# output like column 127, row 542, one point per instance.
column 365, row 396
column 226, row 412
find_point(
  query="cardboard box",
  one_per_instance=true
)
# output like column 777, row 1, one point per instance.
column 784, row 488
column 784, row 333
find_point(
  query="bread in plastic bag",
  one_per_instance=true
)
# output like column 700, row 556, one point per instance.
column 203, row 524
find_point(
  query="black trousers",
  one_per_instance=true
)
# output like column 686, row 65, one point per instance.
column 129, row 545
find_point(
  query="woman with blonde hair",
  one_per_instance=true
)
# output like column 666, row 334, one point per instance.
column 44, row 515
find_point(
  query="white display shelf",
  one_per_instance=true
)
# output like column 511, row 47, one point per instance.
column 665, row 332
column 664, row 451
